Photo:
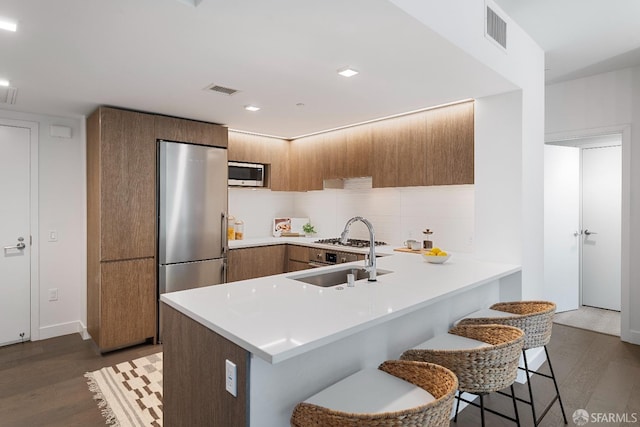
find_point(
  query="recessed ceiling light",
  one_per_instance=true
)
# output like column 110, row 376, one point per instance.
column 4, row 82
column 9, row 26
column 347, row 72
column 251, row 108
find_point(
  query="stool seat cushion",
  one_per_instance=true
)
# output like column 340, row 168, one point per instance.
column 485, row 312
column 371, row 391
column 451, row 342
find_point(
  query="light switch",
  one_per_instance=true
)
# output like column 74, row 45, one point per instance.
column 230, row 378
column 53, row 236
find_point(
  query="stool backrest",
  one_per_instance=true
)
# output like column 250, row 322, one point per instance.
column 437, row 380
column 481, row 369
column 535, row 318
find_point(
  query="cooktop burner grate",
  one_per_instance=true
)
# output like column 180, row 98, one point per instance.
column 357, row 243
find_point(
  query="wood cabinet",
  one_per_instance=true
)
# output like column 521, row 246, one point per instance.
column 127, row 303
column 250, row 263
column 122, row 155
column 121, row 219
column 399, row 151
column 359, row 152
column 433, row 147
column 297, row 258
column 306, row 160
column 183, row 130
column 194, row 375
column 450, row 145
column 121, row 228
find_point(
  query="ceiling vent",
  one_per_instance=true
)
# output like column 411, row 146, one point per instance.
column 8, row 95
column 496, row 28
column 223, row 90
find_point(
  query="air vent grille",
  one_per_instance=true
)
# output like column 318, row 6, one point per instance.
column 223, row 90
column 8, row 95
column 496, row 28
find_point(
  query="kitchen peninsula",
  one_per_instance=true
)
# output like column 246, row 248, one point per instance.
column 286, row 339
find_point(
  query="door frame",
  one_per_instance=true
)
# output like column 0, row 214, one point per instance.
column 33, row 221
column 626, row 334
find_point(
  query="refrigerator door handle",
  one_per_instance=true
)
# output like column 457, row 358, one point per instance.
column 224, row 270
column 225, row 233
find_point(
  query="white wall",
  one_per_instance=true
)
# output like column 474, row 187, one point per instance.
column 62, row 204
column 582, row 107
column 258, row 207
column 396, row 213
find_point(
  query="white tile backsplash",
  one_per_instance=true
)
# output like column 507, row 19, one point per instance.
column 397, row 213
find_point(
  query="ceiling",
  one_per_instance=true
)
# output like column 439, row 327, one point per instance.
column 580, row 37
column 69, row 56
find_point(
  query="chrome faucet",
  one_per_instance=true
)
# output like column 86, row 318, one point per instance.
column 370, row 263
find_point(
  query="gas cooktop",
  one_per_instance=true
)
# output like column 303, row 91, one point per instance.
column 356, row 243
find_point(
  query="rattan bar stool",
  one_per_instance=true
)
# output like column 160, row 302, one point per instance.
column 535, row 318
column 483, row 357
column 398, row 393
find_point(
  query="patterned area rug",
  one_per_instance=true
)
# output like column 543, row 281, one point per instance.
column 130, row 393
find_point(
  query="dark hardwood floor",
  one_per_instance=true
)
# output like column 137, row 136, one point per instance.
column 42, row 382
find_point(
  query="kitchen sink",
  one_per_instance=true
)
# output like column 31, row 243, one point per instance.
column 335, row 277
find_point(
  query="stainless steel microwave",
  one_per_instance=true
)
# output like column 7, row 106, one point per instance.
column 246, row 174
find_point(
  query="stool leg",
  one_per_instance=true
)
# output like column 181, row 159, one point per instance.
column 526, row 370
column 455, row 418
column 482, row 409
column 555, row 383
column 515, row 405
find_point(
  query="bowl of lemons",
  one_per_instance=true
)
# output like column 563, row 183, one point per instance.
column 435, row 256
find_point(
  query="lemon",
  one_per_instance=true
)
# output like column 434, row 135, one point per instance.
column 436, row 250
column 442, row 253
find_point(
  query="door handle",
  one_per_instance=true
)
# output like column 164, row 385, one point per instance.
column 589, row 233
column 20, row 245
column 577, row 233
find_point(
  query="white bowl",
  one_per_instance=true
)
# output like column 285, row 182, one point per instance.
column 435, row 259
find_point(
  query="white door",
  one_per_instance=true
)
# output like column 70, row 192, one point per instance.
column 14, row 234
column 561, row 224
column 601, row 223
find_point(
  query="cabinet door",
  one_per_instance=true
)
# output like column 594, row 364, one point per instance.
column 412, row 148
column 385, row 154
column 249, row 263
column 298, row 253
column 450, row 145
column 249, row 148
column 306, row 163
column 279, row 169
column 127, row 302
column 127, row 185
column 359, row 151
column 183, row 130
column 334, row 154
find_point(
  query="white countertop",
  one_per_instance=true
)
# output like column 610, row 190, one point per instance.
column 277, row 318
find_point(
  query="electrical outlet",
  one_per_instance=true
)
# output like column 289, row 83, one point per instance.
column 53, row 294
column 231, row 384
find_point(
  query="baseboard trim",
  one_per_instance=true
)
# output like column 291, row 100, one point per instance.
column 60, row 329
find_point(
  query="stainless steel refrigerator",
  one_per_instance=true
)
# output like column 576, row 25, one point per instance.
column 192, row 216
